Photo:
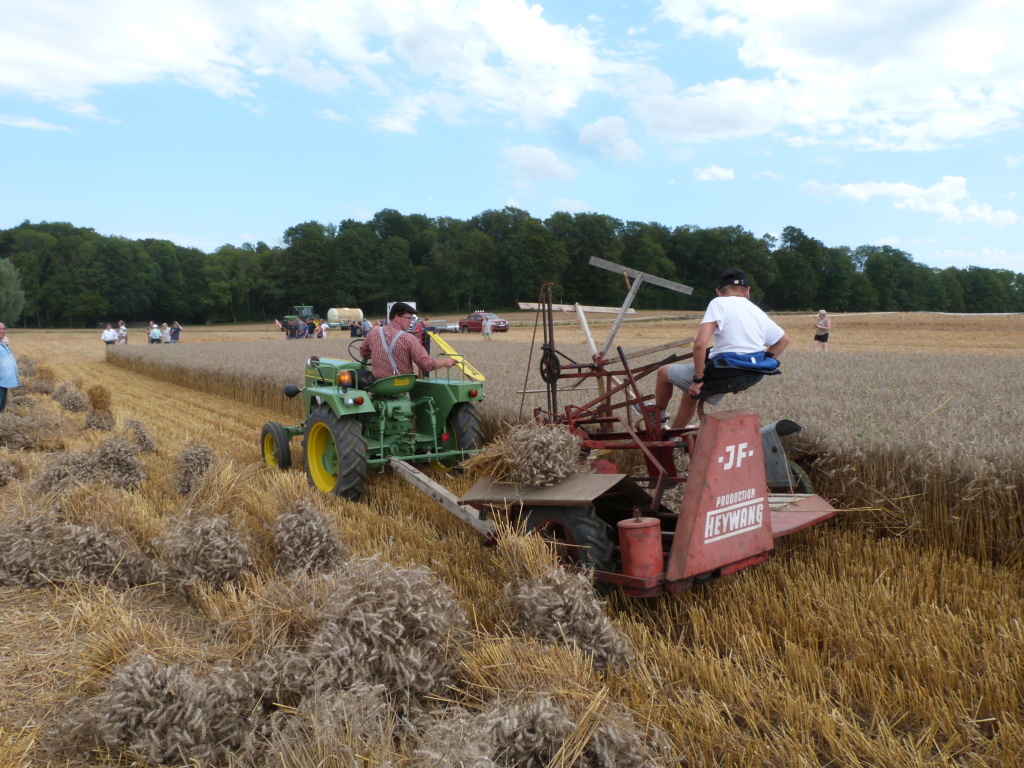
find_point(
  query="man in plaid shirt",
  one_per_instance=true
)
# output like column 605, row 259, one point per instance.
column 394, row 351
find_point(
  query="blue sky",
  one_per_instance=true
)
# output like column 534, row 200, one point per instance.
column 226, row 121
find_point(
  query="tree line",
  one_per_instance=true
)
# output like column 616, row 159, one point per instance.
column 60, row 275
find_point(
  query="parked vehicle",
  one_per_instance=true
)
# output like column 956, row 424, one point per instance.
column 474, row 322
column 303, row 313
column 340, row 317
column 443, row 326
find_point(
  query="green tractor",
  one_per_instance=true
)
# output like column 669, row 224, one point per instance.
column 304, row 313
column 352, row 425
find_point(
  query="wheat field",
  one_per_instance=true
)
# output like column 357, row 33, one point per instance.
column 892, row 636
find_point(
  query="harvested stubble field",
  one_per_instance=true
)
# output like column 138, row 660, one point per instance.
column 876, row 640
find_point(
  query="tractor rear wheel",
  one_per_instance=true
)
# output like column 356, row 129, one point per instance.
column 581, row 536
column 463, row 427
column 335, row 453
column 277, row 451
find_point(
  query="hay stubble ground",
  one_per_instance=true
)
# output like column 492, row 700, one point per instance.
column 871, row 641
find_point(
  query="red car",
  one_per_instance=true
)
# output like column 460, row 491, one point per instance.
column 474, row 322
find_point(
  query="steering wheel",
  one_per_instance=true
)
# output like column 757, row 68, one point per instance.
column 353, row 350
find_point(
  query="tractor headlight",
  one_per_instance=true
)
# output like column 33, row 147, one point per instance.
column 345, row 379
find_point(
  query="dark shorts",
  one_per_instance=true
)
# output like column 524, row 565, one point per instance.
column 820, row 337
column 109, row 343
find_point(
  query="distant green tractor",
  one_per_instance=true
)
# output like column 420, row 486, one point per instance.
column 302, row 312
column 352, row 425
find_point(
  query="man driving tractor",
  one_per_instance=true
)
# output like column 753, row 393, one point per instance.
column 740, row 331
column 393, row 350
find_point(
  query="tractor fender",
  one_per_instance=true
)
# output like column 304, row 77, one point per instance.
column 445, row 395
column 342, row 403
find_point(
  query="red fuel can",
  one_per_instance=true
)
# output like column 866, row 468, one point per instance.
column 642, row 556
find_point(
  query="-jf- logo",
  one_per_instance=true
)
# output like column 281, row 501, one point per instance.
column 734, row 455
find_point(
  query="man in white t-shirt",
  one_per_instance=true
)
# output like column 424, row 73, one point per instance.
column 731, row 324
column 109, row 335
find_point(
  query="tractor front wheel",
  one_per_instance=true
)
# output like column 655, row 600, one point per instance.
column 276, row 446
column 335, row 453
column 464, row 430
column 581, row 537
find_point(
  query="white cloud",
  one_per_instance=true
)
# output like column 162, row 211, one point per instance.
column 571, row 206
column 713, row 173
column 1012, row 161
column 316, row 77
column 404, row 113
column 63, row 52
column 537, row 164
column 948, row 199
column 330, row 114
column 608, row 135
column 801, row 141
column 917, row 74
column 498, row 55
column 30, row 122
column 991, row 258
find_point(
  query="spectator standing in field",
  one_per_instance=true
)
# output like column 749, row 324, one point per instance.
column 425, row 336
column 165, row 334
column 122, row 332
column 485, row 327
column 109, row 335
column 155, row 337
column 367, row 326
column 353, row 330
column 822, row 328
column 394, row 351
column 175, row 332
column 321, row 332
column 8, row 368
column 737, row 327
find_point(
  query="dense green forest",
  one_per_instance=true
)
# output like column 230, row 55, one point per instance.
column 71, row 276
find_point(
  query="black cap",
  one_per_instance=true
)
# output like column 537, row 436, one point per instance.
column 733, row 276
column 400, row 308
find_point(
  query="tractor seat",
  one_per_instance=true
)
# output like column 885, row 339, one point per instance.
column 392, row 385
column 726, row 381
column 735, row 380
column 732, row 375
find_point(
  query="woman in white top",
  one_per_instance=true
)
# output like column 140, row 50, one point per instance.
column 821, row 330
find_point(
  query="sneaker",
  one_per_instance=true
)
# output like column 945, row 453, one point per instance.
column 639, row 412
